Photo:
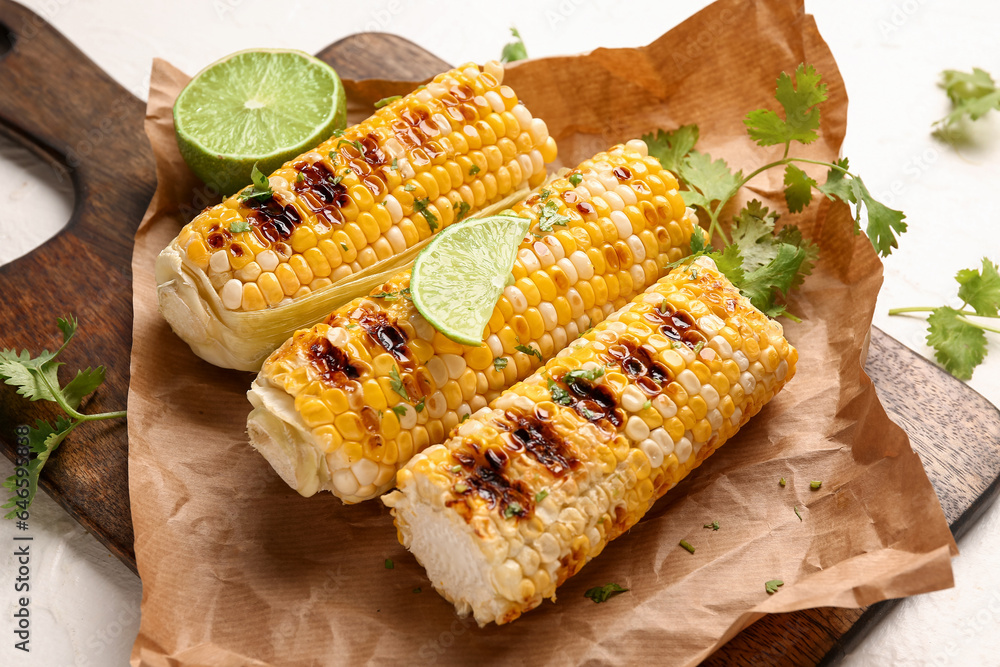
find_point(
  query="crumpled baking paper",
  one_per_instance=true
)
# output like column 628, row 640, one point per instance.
column 238, row 569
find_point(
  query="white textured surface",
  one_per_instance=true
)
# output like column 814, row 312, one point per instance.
column 85, row 603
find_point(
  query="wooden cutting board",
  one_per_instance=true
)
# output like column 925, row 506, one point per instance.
column 72, row 114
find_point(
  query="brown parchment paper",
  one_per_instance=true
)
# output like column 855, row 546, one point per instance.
column 237, row 569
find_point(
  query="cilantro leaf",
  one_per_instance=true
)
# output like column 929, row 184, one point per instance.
column 500, row 363
column 421, row 206
column 559, row 395
column 799, row 100
column 764, row 284
column 579, row 374
column 514, row 50
column 527, row 349
column 43, row 439
column 602, row 593
column 753, row 233
column 548, row 216
column 730, row 263
column 883, row 222
column 837, row 186
column 670, row 148
column 981, row 289
column 396, row 383
column 971, row 94
column 240, row 226
column 461, row 210
column 399, row 410
column 958, row 346
column 84, row 383
column 793, row 236
column 712, row 180
column 772, row 586
column 798, row 188
column 260, row 191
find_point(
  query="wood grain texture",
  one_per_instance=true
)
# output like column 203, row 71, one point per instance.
column 59, row 105
column 67, row 110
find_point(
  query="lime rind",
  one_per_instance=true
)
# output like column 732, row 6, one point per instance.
column 458, row 278
column 262, row 106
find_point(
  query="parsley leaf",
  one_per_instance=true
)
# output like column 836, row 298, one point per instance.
column 387, row 100
column 462, row 210
column 714, row 525
column 579, row 374
column 772, row 586
column 958, row 345
column 239, row 226
column 514, row 50
column 260, row 191
column 409, row 187
column 602, row 593
column 473, row 170
column 801, row 115
column 399, row 410
column 981, row 289
column 500, row 363
column 396, row 383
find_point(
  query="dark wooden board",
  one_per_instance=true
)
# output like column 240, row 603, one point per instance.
column 61, row 105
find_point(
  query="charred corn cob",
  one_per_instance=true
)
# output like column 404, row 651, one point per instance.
column 343, row 405
column 531, row 488
column 243, row 275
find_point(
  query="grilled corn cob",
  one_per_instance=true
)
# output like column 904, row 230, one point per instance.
column 528, row 490
column 343, row 405
column 245, row 274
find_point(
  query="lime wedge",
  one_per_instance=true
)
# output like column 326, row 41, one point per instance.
column 259, row 107
column 459, row 276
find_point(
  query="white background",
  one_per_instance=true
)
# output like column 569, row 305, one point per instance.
column 85, row 603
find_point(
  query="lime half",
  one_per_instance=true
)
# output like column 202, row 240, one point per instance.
column 256, row 107
column 459, row 276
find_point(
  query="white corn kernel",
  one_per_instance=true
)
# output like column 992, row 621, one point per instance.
column 683, row 450
column 636, row 429
column 653, row 452
column 392, row 206
column 633, row 399
column 268, row 260
column 219, row 261
column 365, row 471
column 337, row 336
column 232, row 294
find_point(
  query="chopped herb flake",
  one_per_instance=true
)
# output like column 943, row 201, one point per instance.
column 462, row 210
column 815, row 485
column 576, row 375
column 781, row 482
column 514, row 509
column 473, row 170
column 399, row 409
column 527, row 349
column 421, row 206
column 409, row 187
column 344, row 246
column 549, row 216
column 714, row 525
column 541, row 495
column 575, row 179
column 389, row 564
column 796, row 508
column 396, row 383
column 419, row 407
column 772, row 586
column 387, row 100
column 647, row 405
column 559, row 395
column 239, row 226
column 601, row 593
column 687, row 546
column 260, row 191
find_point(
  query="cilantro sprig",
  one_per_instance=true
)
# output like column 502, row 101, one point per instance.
column 514, row 50
column 260, row 191
column 37, row 379
column 972, row 94
column 960, row 343
column 710, row 183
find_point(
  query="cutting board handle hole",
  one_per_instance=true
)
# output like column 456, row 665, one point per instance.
column 6, row 41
